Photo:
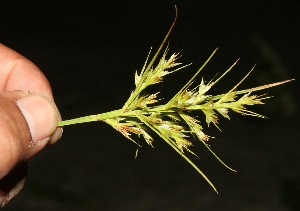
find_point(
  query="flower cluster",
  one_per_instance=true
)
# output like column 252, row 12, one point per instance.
column 174, row 121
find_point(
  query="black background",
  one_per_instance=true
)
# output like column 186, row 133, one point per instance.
column 89, row 51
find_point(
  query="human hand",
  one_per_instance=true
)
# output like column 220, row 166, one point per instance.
column 28, row 118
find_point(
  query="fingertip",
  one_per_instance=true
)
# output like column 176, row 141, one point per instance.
column 56, row 135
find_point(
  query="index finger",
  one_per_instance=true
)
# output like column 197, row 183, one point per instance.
column 18, row 73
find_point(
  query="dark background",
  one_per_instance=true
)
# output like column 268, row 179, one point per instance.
column 89, row 51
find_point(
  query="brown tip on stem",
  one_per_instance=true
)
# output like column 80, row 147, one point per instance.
column 216, row 49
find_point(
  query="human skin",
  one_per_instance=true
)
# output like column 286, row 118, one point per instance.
column 28, row 118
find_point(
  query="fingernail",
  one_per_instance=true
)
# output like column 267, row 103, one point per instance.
column 1, row 201
column 41, row 115
column 5, row 200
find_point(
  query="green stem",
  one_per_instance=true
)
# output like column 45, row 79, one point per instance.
column 91, row 118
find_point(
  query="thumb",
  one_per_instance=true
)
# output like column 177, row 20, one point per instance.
column 41, row 115
column 27, row 123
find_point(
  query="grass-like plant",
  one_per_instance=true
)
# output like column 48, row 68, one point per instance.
column 174, row 121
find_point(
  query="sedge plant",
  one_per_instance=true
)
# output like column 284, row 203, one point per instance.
column 174, row 121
